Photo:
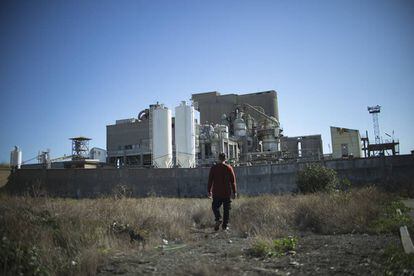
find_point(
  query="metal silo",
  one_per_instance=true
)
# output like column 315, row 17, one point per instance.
column 185, row 136
column 161, row 137
column 16, row 157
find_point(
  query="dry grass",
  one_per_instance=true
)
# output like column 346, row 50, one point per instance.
column 65, row 236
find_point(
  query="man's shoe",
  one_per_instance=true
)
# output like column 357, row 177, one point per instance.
column 225, row 228
column 217, row 225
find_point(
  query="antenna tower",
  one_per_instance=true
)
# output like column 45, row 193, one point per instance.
column 375, row 110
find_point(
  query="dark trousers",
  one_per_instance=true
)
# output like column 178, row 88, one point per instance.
column 217, row 202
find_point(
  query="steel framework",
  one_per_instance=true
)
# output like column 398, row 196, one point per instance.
column 80, row 147
column 375, row 110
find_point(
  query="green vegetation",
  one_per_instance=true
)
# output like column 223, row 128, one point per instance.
column 389, row 221
column 278, row 247
column 316, row 178
column 284, row 245
column 260, row 248
column 397, row 262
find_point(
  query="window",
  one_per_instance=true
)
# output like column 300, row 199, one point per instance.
column 344, row 150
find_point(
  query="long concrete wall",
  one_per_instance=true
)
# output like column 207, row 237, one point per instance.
column 4, row 175
column 255, row 180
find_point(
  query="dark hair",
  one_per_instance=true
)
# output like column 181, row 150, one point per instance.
column 222, row 156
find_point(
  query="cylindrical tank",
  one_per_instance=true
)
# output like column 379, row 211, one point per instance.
column 161, row 137
column 270, row 144
column 224, row 120
column 16, row 157
column 239, row 127
column 269, row 135
column 185, row 136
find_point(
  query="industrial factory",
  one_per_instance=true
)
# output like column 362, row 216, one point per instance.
column 167, row 152
column 245, row 127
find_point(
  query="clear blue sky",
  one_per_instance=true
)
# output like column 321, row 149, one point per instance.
column 70, row 68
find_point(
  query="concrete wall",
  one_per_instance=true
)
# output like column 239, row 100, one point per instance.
column 4, row 175
column 349, row 138
column 311, row 146
column 274, row 179
column 134, row 134
column 212, row 105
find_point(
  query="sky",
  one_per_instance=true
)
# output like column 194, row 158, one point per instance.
column 69, row 68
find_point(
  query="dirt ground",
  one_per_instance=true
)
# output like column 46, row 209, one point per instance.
column 215, row 253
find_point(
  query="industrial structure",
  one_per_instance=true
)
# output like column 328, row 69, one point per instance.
column 98, row 154
column 303, row 147
column 245, row 127
column 380, row 148
column 16, row 158
column 346, row 143
column 185, row 136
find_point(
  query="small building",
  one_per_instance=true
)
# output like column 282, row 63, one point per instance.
column 345, row 142
column 128, row 142
column 305, row 147
column 98, row 154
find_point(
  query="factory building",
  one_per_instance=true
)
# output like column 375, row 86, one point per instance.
column 212, row 105
column 98, row 154
column 306, row 147
column 148, row 140
column 128, row 141
column 245, row 127
column 345, row 142
column 238, row 125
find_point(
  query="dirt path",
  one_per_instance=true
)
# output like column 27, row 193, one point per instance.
column 222, row 253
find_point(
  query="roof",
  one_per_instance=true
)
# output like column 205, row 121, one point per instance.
column 80, row 138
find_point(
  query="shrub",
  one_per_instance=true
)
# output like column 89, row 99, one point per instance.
column 284, row 245
column 339, row 212
column 260, row 249
column 316, row 178
column 389, row 221
column 279, row 247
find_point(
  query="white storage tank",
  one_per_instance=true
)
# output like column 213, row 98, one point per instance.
column 239, row 127
column 161, row 137
column 185, row 136
column 16, row 158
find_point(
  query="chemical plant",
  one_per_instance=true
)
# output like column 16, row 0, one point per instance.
column 245, row 127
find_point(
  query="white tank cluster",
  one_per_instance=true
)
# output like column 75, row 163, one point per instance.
column 185, row 136
column 162, row 153
column 161, row 137
column 16, row 157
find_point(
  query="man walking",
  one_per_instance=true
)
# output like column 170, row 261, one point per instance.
column 222, row 187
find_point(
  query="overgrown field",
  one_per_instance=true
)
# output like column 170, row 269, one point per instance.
column 66, row 236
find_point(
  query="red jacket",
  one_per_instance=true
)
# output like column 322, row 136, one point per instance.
column 221, row 181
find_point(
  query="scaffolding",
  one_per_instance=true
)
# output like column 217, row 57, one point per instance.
column 80, row 147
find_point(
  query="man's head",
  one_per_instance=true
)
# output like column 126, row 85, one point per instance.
column 222, row 157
